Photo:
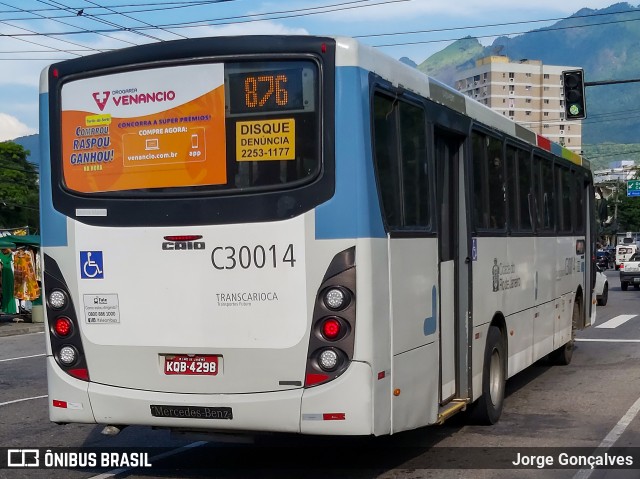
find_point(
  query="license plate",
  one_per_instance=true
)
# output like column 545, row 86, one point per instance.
column 196, row 365
column 636, row 280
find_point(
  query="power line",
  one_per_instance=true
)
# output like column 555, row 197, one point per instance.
column 304, row 12
column 132, row 18
column 19, row 205
column 156, row 7
column 542, row 30
column 489, row 25
column 105, row 22
column 82, row 28
column 240, row 18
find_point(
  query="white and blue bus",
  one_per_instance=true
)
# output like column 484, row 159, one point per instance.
column 297, row 234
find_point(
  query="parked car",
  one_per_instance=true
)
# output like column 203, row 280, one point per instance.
column 630, row 272
column 601, row 287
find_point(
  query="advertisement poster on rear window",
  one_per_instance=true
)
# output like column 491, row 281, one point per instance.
column 154, row 128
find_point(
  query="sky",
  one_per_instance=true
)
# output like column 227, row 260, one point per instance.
column 36, row 33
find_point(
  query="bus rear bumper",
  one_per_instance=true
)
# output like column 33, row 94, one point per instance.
column 68, row 397
column 272, row 411
column 342, row 406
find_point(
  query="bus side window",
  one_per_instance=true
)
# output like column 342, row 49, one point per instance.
column 385, row 139
column 489, row 188
column 399, row 138
column 527, row 205
column 496, row 183
column 512, row 188
column 480, row 210
column 415, row 191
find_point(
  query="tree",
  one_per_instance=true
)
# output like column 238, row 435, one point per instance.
column 18, row 188
column 628, row 210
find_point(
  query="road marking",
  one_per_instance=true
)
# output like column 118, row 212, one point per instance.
column 22, row 357
column 173, row 452
column 617, row 321
column 587, row 340
column 11, row 336
column 23, row 399
column 613, row 435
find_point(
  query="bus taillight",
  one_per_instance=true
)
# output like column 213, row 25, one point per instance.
column 68, row 355
column 331, row 328
column 332, row 337
column 63, row 326
column 336, row 298
column 62, row 319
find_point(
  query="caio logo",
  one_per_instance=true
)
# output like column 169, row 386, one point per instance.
column 101, row 98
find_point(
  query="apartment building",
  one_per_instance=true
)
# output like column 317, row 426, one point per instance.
column 527, row 92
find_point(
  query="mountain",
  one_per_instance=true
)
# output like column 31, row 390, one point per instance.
column 607, row 49
column 409, row 61
column 32, row 144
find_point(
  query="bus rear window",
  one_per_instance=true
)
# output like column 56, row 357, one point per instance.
column 206, row 128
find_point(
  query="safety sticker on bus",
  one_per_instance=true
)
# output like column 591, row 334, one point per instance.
column 101, row 309
column 268, row 140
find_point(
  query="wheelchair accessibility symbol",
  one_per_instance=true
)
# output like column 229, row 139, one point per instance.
column 91, row 265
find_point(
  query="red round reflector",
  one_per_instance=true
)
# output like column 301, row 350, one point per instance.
column 62, row 326
column 331, row 328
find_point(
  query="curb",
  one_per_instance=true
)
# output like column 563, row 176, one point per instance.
column 14, row 329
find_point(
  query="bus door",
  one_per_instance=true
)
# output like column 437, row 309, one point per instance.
column 453, row 276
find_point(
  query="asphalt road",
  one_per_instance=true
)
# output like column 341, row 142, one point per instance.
column 549, row 410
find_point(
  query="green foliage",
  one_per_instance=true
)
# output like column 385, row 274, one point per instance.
column 602, row 155
column 18, row 188
column 628, row 210
column 443, row 65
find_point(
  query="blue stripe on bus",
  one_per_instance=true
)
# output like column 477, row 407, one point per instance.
column 354, row 210
column 53, row 225
column 556, row 149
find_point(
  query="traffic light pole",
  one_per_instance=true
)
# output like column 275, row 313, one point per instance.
column 610, row 82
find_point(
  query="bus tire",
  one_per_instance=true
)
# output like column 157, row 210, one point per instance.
column 624, row 285
column 563, row 355
column 488, row 408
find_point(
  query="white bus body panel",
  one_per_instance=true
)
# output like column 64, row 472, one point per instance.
column 536, row 302
column 413, row 279
column 171, row 302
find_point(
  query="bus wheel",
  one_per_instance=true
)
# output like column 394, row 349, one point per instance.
column 624, row 285
column 562, row 356
column 488, row 408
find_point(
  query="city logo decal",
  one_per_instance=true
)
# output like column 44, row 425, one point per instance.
column 504, row 276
